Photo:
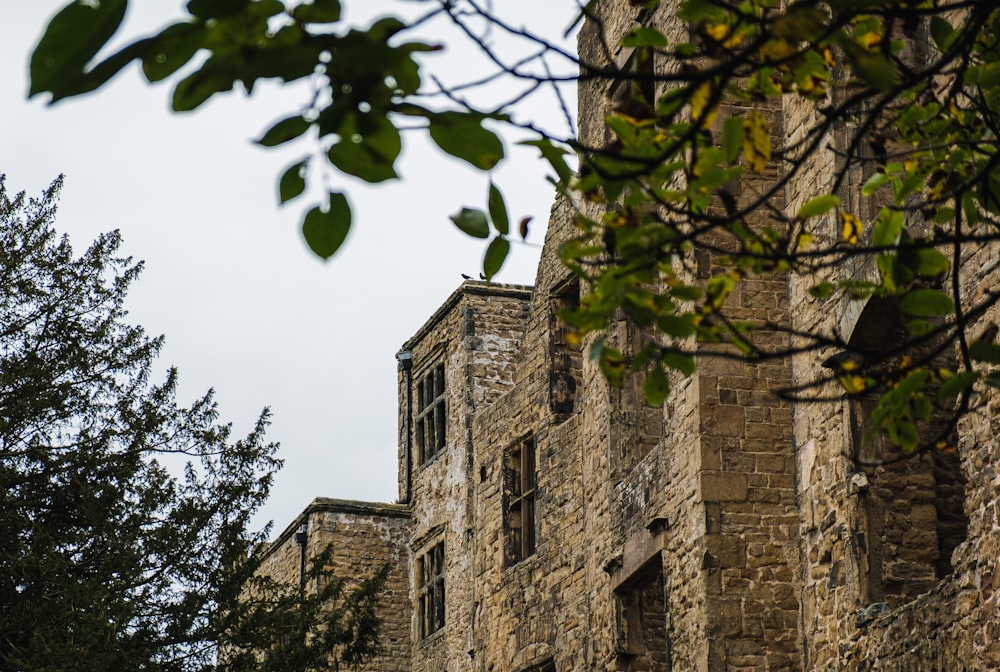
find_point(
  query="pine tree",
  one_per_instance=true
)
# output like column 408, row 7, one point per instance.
column 109, row 560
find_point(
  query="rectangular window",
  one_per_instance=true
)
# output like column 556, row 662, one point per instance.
column 430, row 421
column 519, row 502
column 430, row 594
column 642, row 619
column 567, row 354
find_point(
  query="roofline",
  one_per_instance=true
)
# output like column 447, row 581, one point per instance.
column 468, row 287
column 331, row 505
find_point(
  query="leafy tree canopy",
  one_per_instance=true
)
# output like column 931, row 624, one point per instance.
column 110, row 561
column 900, row 98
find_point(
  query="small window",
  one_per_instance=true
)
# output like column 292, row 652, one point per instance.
column 519, row 502
column 642, row 620
column 567, row 355
column 430, row 422
column 430, row 600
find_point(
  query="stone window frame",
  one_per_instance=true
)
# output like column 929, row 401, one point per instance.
column 430, row 421
column 430, row 580
column 520, row 486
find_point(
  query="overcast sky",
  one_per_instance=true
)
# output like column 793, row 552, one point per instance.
column 245, row 307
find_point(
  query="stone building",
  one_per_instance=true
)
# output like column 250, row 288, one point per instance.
column 547, row 521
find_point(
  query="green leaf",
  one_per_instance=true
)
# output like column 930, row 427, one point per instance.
column 496, row 254
column 644, row 36
column 292, row 182
column 993, row 379
column 498, row 210
column 171, row 49
column 981, row 351
column 696, row 11
column 873, row 183
column 368, row 148
column 926, row 303
column 989, row 75
column 285, row 130
column 325, row 231
column 942, row 31
column 680, row 361
column 931, row 263
column 874, row 68
column 656, row 386
column 613, row 365
column 214, row 9
column 72, row 38
column 888, row 228
column 287, row 62
column 215, row 76
column 318, row 11
column 554, row 155
column 472, row 223
column 675, row 325
column 732, row 138
column 906, row 435
column 818, row 206
column 822, row 290
column 957, row 384
column 686, row 292
column 461, row 134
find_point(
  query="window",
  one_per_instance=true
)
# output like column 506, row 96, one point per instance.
column 911, row 512
column 567, row 355
column 430, row 423
column 430, row 594
column 635, row 427
column 642, row 620
column 519, row 502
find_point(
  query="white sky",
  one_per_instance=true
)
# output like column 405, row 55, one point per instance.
column 246, row 308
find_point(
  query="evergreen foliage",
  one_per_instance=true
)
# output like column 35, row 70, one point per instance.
column 110, row 560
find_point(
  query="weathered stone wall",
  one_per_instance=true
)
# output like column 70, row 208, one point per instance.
column 955, row 626
column 364, row 538
column 477, row 335
column 883, row 586
column 729, row 530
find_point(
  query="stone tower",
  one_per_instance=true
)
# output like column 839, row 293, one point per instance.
column 547, row 521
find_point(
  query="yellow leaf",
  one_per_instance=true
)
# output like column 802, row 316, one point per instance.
column 733, row 42
column 871, row 39
column 828, row 57
column 775, row 50
column 756, row 141
column 853, row 384
column 717, row 31
column 699, row 102
column 852, row 228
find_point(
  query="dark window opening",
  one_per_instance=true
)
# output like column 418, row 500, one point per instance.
column 636, row 427
column 519, row 481
column 429, row 428
column 567, row 353
column 642, row 620
column 912, row 514
column 430, row 594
